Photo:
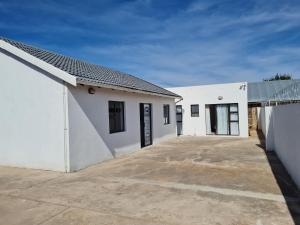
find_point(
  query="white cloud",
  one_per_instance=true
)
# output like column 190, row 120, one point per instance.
column 193, row 49
column 192, row 46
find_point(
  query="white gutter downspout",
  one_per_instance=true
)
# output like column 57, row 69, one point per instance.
column 179, row 100
column 66, row 128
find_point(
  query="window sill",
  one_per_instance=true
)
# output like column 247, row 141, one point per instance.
column 115, row 132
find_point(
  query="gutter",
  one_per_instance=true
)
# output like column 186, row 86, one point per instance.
column 119, row 88
column 180, row 99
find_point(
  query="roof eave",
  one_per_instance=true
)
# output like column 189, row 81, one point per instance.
column 39, row 63
column 120, row 88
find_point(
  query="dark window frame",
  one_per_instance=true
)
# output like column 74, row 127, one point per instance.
column 229, row 119
column 234, row 121
column 116, row 116
column 195, row 113
column 166, row 114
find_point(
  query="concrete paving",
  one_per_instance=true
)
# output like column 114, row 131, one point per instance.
column 187, row 180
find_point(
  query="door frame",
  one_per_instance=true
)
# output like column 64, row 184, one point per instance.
column 177, row 121
column 142, row 125
column 229, row 120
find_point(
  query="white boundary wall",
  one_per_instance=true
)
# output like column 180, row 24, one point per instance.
column 283, row 135
column 266, row 121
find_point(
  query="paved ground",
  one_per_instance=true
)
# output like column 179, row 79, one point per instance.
column 187, row 180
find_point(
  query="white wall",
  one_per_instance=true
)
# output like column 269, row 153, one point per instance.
column 90, row 140
column 285, row 126
column 259, row 118
column 262, row 120
column 32, row 117
column 266, row 124
column 208, row 94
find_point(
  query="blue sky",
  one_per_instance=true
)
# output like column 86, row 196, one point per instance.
column 170, row 43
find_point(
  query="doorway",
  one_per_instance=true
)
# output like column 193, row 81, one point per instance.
column 222, row 119
column 146, row 124
column 179, row 119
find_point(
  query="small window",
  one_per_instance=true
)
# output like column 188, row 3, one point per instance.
column 194, row 110
column 116, row 116
column 167, row 114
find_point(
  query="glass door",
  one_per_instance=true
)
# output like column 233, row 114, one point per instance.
column 222, row 119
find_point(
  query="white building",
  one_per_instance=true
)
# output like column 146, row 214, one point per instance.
column 63, row 114
column 220, row 109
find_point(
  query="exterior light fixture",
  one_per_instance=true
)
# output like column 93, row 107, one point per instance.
column 220, row 97
column 91, row 91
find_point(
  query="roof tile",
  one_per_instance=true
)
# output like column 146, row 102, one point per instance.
column 85, row 71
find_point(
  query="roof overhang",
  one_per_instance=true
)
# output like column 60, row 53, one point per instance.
column 119, row 88
column 38, row 63
column 68, row 78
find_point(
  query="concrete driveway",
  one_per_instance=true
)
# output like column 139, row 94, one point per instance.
column 187, row 180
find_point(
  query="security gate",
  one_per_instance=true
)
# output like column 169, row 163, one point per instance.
column 146, row 124
column 179, row 119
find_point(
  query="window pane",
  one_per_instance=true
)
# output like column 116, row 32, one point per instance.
column 179, row 117
column 116, row 116
column 234, row 117
column 166, row 114
column 194, row 110
column 165, row 111
column 222, row 119
column 120, row 116
column 233, row 108
column 234, row 128
column 111, row 116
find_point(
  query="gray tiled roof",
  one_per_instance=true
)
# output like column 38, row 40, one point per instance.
column 87, row 72
column 281, row 90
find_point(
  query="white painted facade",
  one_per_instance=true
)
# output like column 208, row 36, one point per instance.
column 90, row 140
column 211, row 94
column 32, row 116
column 49, row 124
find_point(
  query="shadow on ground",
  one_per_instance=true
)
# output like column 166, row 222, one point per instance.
column 286, row 184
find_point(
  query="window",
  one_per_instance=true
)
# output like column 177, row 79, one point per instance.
column 194, row 110
column 167, row 114
column 116, row 117
column 234, row 119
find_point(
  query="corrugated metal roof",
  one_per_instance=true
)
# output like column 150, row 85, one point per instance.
column 281, row 90
column 84, row 71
